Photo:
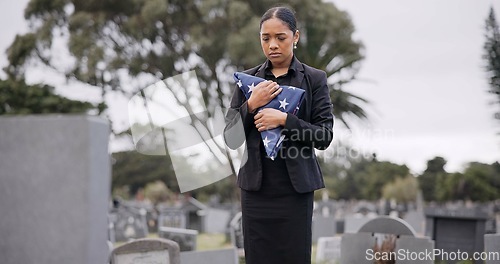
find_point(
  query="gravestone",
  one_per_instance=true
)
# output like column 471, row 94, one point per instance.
column 220, row 256
column 323, row 226
column 387, row 225
column 189, row 214
column 236, row 231
column 146, row 251
column 416, row 219
column 186, row 238
column 216, row 220
column 354, row 246
column 415, row 250
column 54, row 189
column 442, row 225
column 492, row 248
column 172, row 217
column 128, row 223
column 328, row 250
column 359, row 247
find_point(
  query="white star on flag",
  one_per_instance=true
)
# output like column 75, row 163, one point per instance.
column 239, row 83
column 283, row 104
column 266, row 142
column 250, row 87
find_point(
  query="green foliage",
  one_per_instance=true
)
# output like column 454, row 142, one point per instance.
column 18, row 98
column 157, row 192
column 359, row 177
column 379, row 174
column 479, row 182
column 428, row 180
column 403, row 190
column 492, row 56
column 136, row 170
column 133, row 171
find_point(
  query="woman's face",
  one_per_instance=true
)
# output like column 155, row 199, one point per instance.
column 277, row 40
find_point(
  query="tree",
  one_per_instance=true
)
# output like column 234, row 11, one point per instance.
column 351, row 175
column 429, row 178
column 492, row 56
column 18, row 98
column 479, row 182
column 124, row 45
column 403, row 190
column 378, row 174
column 111, row 42
column 135, row 170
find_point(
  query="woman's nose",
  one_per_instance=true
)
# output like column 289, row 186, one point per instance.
column 273, row 45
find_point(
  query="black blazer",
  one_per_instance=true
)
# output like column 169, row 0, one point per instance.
column 311, row 128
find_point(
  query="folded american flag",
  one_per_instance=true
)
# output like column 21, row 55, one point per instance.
column 288, row 101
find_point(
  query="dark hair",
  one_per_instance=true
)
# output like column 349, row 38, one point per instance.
column 283, row 13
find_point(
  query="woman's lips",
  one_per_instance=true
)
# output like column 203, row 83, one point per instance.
column 274, row 55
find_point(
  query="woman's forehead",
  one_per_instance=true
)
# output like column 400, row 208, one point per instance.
column 274, row 26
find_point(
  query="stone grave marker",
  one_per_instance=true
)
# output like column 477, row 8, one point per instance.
column 128, row 223
column 354, row 246
column 328, row 250
column 186, row 238
column 172, row 217
column 442, row 225
column 216, row 220
column 492, row 248
column 236, row 231
column 360, row 247
column 416, row 219
column 323, row 226
column 54, row 189
column 414, row 250
column 146, row 251
column 220, row 256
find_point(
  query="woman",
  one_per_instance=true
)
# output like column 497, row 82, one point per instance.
column 277, row 195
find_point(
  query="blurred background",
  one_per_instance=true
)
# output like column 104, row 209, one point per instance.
column 415, row 87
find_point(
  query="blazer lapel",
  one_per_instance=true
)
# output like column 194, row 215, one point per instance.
column 261, row 71
column 297, row 80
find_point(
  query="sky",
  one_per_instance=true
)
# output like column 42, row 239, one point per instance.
column 423, row 75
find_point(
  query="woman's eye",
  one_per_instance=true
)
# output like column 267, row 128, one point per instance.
column 265, row 39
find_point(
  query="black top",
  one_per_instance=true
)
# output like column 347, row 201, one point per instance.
column 275, row 178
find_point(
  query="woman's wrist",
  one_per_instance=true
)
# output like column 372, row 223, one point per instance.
column 283, row 119
column 250, row 106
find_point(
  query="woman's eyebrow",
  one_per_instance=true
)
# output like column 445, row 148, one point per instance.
column 277, row 34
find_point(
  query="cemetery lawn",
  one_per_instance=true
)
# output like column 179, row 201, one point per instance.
column 208, row 241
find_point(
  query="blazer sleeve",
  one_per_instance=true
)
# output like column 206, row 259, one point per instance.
column 239, row 120
column 317, row 133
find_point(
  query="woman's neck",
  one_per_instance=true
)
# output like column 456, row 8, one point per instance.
column 279, row 71
column 282, row 68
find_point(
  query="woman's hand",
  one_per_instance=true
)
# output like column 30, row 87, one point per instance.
column 269, row 118
column 262, row 94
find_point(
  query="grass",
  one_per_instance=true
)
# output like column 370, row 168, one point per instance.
column 207, row 241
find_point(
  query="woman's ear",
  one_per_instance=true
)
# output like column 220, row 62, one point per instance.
column 295, row 39
column 296, row 36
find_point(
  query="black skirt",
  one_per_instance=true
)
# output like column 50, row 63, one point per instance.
column 276, row 219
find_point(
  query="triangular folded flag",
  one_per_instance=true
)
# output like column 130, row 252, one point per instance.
column 288, row 101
